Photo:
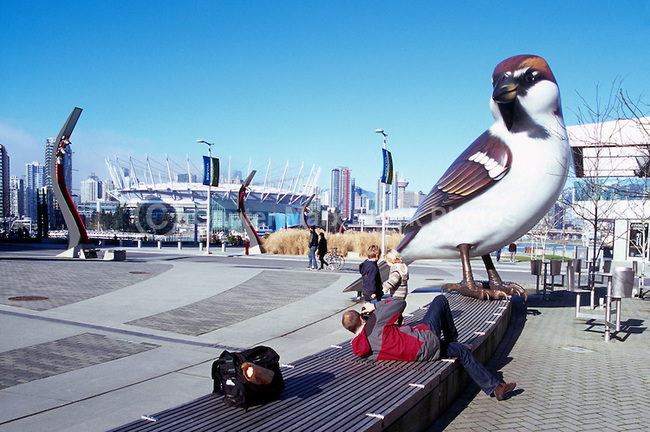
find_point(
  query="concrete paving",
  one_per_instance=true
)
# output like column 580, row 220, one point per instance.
column 96, row 344
column 568, row 378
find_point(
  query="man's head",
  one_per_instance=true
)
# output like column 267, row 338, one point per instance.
column 373, row 252
column 352, row 321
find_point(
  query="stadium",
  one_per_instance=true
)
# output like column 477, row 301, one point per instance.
column 167, row 199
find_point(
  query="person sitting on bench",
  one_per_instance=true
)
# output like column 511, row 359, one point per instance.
column 379, row 337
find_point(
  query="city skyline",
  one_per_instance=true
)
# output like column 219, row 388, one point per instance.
column 289, row 80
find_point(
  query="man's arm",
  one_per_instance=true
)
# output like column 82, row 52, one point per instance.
column 389, row 311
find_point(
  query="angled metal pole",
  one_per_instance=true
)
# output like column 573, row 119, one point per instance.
column 383, row 215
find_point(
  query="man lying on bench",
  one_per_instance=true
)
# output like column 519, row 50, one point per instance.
column 379, row 337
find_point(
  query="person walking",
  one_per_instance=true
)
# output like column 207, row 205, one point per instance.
column 513, row 251
column 379, row 337
column 313, row 244
column 322, row 250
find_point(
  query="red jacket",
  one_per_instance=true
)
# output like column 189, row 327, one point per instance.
column 382, row 339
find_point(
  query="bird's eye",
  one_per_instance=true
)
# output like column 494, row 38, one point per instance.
column 529, row 77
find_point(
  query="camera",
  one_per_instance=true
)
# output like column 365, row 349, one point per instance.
column 365, row 315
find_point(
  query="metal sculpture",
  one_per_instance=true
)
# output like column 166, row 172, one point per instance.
column 255, row 247
column 502, row 184
column 79, row 245
column 305, row 212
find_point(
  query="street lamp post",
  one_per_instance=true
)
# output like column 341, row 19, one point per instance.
column 383, row 215
column 207, row 236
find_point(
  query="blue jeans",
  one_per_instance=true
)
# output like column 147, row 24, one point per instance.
column 312, row 258
column 438, row 318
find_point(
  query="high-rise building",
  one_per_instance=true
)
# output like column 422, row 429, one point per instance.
column 335, row 188
column 379, row 200
column 55, row 218
column 185, row 178
column 67, row 165
column 91, row 190
column 17, row 192
column 351, row 203
column 401, row 191
column 325, row 196
column 341, row 198
column 106, row 185
column 413, row 199
column 394, row 192
column 5, row 200
column 35, row 180
column 47, row 175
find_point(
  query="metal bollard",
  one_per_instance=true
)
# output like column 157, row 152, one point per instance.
column 570, row 276
column 621, row 287
column 622, row 282
column 536, row 270
column 535, row 267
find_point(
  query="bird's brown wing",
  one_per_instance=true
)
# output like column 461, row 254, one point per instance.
column 480, row 166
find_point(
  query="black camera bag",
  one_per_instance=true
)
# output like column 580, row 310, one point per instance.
column 229, row 379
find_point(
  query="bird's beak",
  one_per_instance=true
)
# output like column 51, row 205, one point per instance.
column 504, row 94
column 505, row 90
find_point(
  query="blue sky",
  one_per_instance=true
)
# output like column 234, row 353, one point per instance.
column 304, row 81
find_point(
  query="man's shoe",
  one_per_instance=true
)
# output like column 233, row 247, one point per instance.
column 503, row 389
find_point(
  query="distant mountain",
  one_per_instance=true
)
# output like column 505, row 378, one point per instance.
column 369, row 194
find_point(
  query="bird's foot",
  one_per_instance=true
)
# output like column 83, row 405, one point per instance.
column 473, row 289
column 508, row 289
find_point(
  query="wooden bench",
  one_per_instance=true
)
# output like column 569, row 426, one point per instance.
column 333, row 390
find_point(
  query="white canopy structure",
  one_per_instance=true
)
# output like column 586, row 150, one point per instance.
column 275, row 200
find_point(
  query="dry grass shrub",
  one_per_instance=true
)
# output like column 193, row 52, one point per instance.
column 294, row 241
column 287, row 242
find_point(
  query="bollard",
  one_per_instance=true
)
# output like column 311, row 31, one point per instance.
column 622, row 282
column 200, row 247
column 139, row 244
column 223, row 247
column 607, row 266
column 180, row 245
column 536, row 270
column 621, row 287
column 535, row 267
column 159, row 244
column 556, row 269
column 570, row 276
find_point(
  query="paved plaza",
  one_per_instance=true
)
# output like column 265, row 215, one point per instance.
column 568, row 378
column 88, row 345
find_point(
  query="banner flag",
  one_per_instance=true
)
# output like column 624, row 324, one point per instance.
column 206, row 170
column 210, row 171
column 387, row 176
column 215, row 172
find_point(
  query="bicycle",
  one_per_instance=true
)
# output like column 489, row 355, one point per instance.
column 334, row 259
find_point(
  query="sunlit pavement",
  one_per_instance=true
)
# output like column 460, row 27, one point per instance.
column 99, row 343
